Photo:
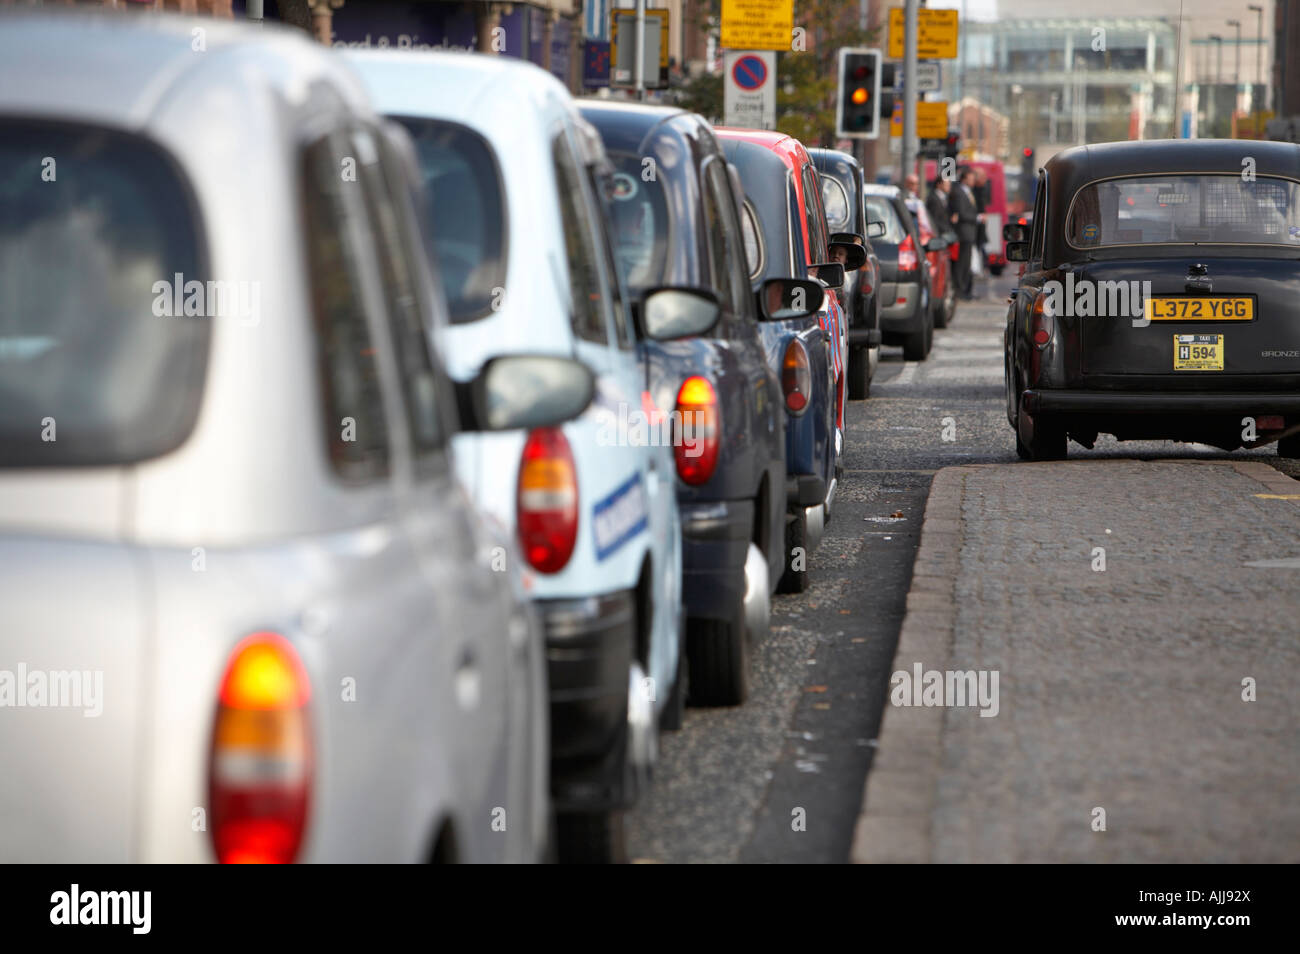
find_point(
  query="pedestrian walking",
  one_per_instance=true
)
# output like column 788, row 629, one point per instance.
column 961, row 204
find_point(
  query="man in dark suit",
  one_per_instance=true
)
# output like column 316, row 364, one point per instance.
column 961, row 204
column 936, row 205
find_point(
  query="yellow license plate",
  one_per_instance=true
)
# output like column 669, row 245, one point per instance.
column 1200, row 309
column 1198, row 352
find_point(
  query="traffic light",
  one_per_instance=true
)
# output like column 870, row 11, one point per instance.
column 857, row 113
column 1027, row 164
column 952, row 145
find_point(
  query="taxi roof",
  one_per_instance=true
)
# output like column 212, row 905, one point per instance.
column 115, row 70
column 1083, row 164
column 787, row 147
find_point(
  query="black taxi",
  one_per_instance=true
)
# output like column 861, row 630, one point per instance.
column 1160, row 298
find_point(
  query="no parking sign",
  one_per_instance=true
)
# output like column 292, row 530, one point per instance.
column 749, row 98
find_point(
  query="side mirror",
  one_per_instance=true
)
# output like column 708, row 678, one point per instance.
column 525, row 391
column 780, row 299
column 936, row 244
column 875, row 229
column 852, row 238
column 1017, row 251
column 854, row 255
column 830, row 274
column 1013, row 232
column 668, row 313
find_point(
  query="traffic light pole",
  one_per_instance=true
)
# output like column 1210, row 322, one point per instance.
column 909, row 90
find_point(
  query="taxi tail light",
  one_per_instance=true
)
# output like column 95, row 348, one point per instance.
column 547, row 500
column 1043, row 323
column 695, row 450
column 796, row 377
column 260, row 764
column 907, row 260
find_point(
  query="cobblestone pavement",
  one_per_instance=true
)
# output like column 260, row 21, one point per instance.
column 1120, row 688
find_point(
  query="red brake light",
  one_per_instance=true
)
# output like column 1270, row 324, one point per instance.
column 259, row 772
column 547, row 500
column 695, row 448
column 796, row 377
column 1043, row 321
column 907, row 255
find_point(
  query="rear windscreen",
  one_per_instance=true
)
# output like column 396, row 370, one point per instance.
column 98, row 243
column 836, row 202
column 639, row 224
column 880, row 209
column 466, row 215
column 1183, row 209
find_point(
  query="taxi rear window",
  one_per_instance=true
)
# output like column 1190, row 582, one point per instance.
column 880, row 209
column 1185, row 209
column 466, row 214
column 104, row 317
column 639, row 225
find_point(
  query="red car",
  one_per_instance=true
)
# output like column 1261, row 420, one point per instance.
column 943, row 294
column 814, row 234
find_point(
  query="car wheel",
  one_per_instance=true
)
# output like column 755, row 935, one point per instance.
column 859, row 374
column 916, row 345
column 1289, row 446
column 796, row 537
column 718, row 656
column 591, row 838
column 670, row 720
column 1048, row 442
column 939, row 308
column 997, row 270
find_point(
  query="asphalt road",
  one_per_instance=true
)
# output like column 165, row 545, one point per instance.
column 781, row 778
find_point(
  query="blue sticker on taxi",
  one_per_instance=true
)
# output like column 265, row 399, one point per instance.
column 619, row 517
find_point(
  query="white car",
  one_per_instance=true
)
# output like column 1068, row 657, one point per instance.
column 246, row 612
column 511, row 170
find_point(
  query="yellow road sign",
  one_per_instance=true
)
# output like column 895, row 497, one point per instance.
column 622, row 64
column 757, row 24
column 931, row 120
column 936, row 37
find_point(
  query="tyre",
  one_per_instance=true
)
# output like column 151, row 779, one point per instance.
column 591, row 838
column 670, row 720
column 997, row 270
column 1289, row 446
column 718, row 657
column 937, row 317
column 859, row 373
column 796, row 536
column 1048, row 442
column 917, row 343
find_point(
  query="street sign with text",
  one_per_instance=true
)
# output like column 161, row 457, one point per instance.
column 931, row 120
column 749, row 89
column 757, row 24
column 936, row 37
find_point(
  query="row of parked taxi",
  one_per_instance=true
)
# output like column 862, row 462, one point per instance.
column 396, row 443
